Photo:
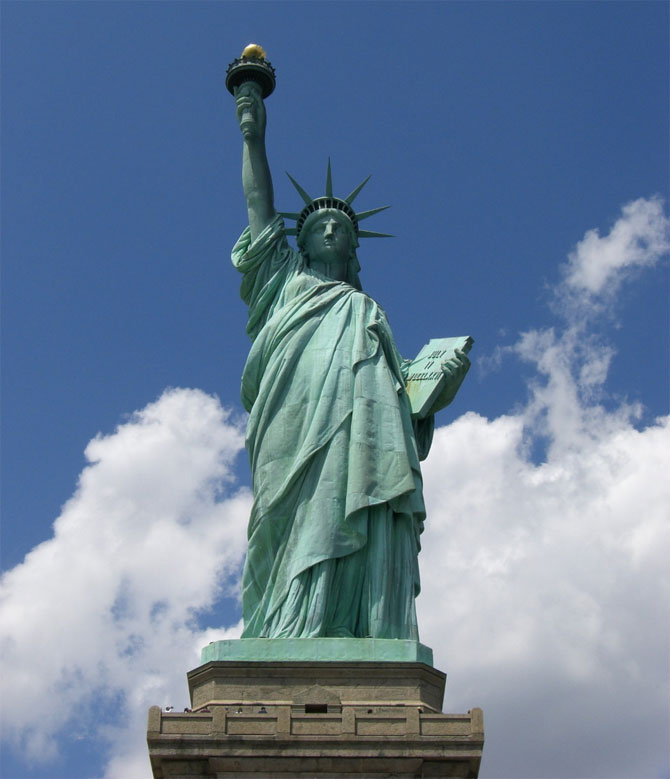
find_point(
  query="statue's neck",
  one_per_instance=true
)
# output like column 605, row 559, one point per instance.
column 333, row 270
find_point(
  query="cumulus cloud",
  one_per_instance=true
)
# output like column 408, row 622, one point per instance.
column 103, row 616
column 545, row 592
column 545, row 577
column 545, row 580
column 599, row 264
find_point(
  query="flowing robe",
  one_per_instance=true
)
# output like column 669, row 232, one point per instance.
column 338, row 505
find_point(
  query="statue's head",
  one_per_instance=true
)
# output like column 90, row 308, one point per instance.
column 327, row 228
column 328, row 243
column 311, row 226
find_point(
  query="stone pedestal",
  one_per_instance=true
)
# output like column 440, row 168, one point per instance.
column 315, row 719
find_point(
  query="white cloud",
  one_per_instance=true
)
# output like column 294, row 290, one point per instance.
column 104, row 614
column 598, row 264
column 545, row 592
column 546, row 584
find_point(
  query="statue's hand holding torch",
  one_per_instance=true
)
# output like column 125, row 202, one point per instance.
column 250, row 79
column 250, row 110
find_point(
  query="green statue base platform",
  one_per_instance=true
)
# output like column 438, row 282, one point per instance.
column 359, row 650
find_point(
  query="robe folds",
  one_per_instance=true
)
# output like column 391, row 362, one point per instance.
column 338, row 506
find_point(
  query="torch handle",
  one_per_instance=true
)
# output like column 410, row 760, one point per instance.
column 248, row 117
column 247, row 121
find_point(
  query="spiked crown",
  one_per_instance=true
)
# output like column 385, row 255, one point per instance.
column 329, row 201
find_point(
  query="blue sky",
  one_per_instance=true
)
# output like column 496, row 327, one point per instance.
column 501, row 134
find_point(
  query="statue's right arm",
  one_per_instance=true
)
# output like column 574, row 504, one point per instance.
column 256, row 178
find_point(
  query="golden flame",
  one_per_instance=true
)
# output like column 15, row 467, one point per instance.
column 253, row 52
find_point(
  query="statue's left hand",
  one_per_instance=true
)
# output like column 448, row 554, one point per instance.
column 456, row 367
column 454, row 370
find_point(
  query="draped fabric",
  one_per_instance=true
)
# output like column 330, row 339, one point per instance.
column 338, row 507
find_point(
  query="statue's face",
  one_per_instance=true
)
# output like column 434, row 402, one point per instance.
column 328, row 243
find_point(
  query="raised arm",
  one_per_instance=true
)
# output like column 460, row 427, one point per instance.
column 256, row 178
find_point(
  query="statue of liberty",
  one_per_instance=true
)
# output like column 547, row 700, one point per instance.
column 334, row 446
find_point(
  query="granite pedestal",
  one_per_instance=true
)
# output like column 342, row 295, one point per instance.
column 315, row 718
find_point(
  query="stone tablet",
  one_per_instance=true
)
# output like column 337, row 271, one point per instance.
column 425, row 380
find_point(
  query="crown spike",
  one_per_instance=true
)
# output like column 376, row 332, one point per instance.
column 290, row 231
column 365, row 214
column 350, row 198
column 289, row 215
column 329, row 181
column 301, row 191
column 371, row 234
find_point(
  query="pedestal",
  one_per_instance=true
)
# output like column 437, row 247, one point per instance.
column 314, row 718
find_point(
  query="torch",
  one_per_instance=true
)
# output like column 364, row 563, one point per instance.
column 251, row 65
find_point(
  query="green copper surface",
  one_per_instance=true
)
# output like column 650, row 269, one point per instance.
column 333, row 443
column 427, row 382
column 360, row 650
